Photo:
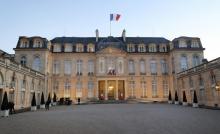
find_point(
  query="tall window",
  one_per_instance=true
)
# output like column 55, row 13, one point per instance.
column 79, row 67
column 131, row 67
column 131, row 92
column 141, row 48
column 165, row 88
column 67, row 89
column 79, row 89
column 196, row 60
column 164, row 67
column 90, row 48
column 23, row 60
column 102, row 65
column 23, row 84
column 152, row 48
column 173, row 65
column 154, row 88
column 79, row 48
column 142, row 67
column 201, row 81
column 213, row 79
column 144, row 88
column 24, row 44
column 131, row 48
column 120, row 67
column 90, row 88
column 36, row 64
column 91, row 67
column 183, row 63
column 153, row 67
column 56, row 67
column 67, row 67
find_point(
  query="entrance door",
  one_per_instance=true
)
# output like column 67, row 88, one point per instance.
column 101, row 90
column 111, row 89
column 121, row 90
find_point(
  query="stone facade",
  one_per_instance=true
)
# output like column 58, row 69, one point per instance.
column 20, row 82
column 205, row 80
column 110, row 67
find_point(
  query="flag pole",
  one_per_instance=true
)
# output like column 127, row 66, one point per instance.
column 110, row 27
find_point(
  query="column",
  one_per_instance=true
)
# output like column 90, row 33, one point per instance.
column 116, row 90
column 97, row 90
column 106, row 90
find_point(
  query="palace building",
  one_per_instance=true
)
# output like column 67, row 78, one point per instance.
column 110, row 68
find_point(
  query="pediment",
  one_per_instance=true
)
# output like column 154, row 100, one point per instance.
column 111, row 50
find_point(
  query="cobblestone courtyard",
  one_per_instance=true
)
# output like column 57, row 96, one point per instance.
column 114, row 119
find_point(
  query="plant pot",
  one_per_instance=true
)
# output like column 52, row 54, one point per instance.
column 54, row 103
column 42, row 106
column 185, row 104
column 5, row 113
column 170, row 102
column 195, row 105
column 176, row 102
column 33, row 108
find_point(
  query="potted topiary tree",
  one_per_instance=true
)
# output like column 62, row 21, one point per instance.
column 33, row 103
column 170, row 98
column 184, row 99
column 49, row 100
column 5, row 106
column 54, row 99
column 195, row 101
column 42, row 102
column 176, row 98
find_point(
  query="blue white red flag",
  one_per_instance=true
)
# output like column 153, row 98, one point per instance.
column 114, row 17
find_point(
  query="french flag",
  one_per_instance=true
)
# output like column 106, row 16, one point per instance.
column 114, row 17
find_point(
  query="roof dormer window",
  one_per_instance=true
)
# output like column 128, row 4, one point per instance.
column 141, row 48
column 163, row 48
column 152, row 48
column 182, row 44
column 90, row 48
column 56, row 48
column 130, row 48
column 195, row 44
column 24, row 44
column 68, row 48
column 37, row 44
column 79, row 48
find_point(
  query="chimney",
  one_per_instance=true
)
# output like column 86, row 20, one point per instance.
column 97, row 35
column 124, row 35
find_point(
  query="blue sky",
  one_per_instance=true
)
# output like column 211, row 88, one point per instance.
column 161, row 18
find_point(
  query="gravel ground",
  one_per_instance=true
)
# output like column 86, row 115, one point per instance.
column 114, row 119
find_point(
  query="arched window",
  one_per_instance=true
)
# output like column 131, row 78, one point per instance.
column 142, row 67
column 37, row 43
column 182, row 44
column 141, row 48
column 153, row 67
column 36, row 64
column 152, row 48
column 23, row 60
column 183, row 63
column 196, row 60
column 131, row 67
